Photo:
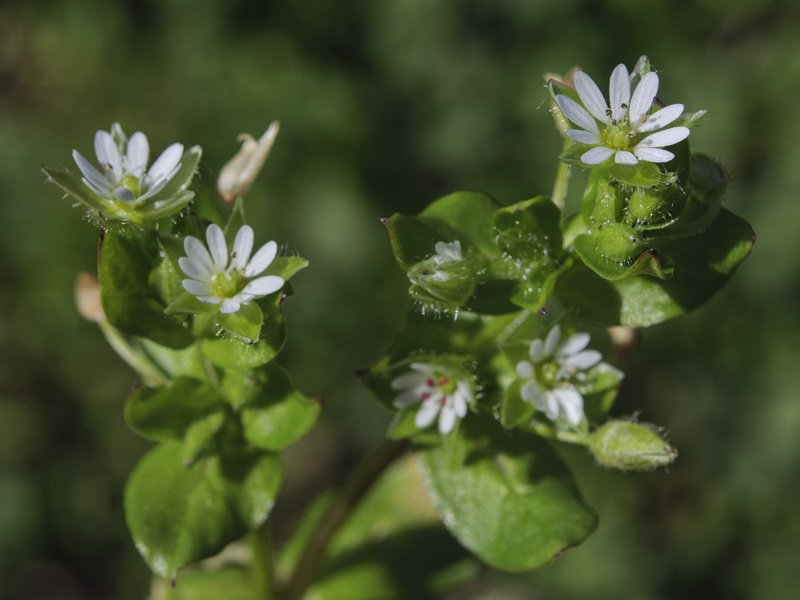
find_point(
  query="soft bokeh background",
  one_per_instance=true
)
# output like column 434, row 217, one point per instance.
column 384, row 106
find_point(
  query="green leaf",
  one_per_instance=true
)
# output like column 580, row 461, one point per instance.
column 278, row 414
column 165, row 413
column 199, row 437
column 129, row 303
column 178, row 515
column 505, row 495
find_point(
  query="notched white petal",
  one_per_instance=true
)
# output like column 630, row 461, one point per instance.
column 242, row 247
column 264, row 285
column 583, row 137
column 661, row 118
column 667, row 137
column 217, row 246
column 619, row 92
column 654, row 155
column 623, row 157
column 643, row 97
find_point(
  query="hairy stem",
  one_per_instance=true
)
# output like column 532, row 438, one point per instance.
column 361, row 479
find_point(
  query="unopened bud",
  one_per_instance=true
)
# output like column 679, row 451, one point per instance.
column 238, row 174
column 630, row 446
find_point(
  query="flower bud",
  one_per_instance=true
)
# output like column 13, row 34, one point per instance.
column 445, row 280
column 630, row 446
column 238, row 174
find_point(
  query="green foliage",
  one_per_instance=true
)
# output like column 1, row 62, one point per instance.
column 178, row 514
column 505, row 496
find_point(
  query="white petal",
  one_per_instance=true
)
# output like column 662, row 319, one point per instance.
column 551, row 341
column 407, row 380
column 574, row 344
column 407, row 398
column 217, row 246
column 124, row 194
column 619, row 92
column 428, row 411
column 531, row 392
column 108, row 155
column 263, row 285
column 591, row 96
column 261, row 260
column 137, row 154
column 570, row 404
column 667, row 137
column 524, row 369
column 584, row 137
column 548, row 403
column 577, row 114
column 597, row 155
column 210, row 299
column 198, row 288
column 92, row 177
column 165, row 165
column 461, row 398
column 643, row 97
column 194, row 269
column 661, row 118
column 242, row 247
column 197, row 252
column 447, row 420
column 583, row 360
column 536, row 351
column 653, row 155
column 623, row 157
column 229, row 305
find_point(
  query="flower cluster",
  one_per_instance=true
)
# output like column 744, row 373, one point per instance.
column 623, row 129
column 555, row 372
column 123, row 173
column 441, row 390
column 216, row 277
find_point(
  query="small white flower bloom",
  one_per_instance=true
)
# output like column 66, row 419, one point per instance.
column 440, row 391
column 625, row 129
column 123, row 173
column 216, row 280
column 554, row 370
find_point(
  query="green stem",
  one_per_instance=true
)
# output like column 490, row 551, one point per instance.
column 261, row 564
column 362, row 477
column 151, row 375
column 562, row 180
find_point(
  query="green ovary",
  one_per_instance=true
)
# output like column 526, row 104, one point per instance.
column 616, row 137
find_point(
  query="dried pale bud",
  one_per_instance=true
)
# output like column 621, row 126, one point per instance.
column 630, row 446
column 238, row 174
column 624, row 341
column 87, row 297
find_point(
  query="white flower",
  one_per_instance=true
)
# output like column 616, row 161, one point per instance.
column 215, row 280
column 439, row 389
column 625, row 130
column 123, row 171
column 553, row 372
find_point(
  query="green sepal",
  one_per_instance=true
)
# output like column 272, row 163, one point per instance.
column 73, row 186
column 178, row 515
column 128, row 301
column 640, row 261
column 509, row 473
column 515, row 410
column 641, row 174
column 165, row 413
column 278, row 414
column 173, row 196
column 188, row 304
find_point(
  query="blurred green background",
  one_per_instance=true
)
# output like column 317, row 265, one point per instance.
column 384, row 106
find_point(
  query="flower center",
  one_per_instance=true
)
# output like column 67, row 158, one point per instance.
column 227, row 284
column 128, row 189
column 617, row 136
